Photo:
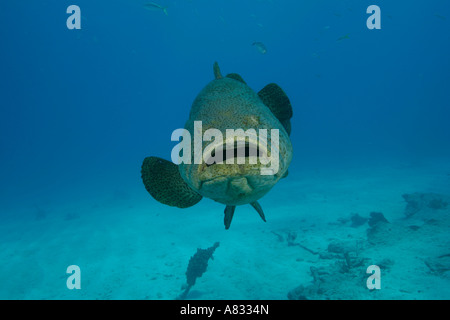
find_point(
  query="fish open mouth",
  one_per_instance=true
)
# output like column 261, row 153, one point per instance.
column 241, row 153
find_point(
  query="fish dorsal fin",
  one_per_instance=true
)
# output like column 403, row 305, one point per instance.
column 278, row 102
column 236, row 76
column 217, row 73
column 165, row 184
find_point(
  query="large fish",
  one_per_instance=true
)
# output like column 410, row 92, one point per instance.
column 228, row 177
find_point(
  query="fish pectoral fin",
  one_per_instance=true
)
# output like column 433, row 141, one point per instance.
column 278, row 102
column 229, row 212
column 164, row 183
column 236, row 76
column 258, row 209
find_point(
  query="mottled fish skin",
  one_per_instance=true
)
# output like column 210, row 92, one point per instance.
column 227, row 103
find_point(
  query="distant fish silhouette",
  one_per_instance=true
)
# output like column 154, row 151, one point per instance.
column 440, row 16
column 261, row 47
column 343, row 37
column 154, row 6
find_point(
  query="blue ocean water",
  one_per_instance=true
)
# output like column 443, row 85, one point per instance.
column 81, row 108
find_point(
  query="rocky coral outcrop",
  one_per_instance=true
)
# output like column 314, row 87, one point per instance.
column 425, row 204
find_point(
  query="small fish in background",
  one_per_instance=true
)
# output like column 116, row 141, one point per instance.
column 260, row 46
column 154, row 7
column 324, row 30
column 343, row 37
column 440, row 16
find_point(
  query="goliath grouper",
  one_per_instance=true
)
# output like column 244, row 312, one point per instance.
column 227, row 103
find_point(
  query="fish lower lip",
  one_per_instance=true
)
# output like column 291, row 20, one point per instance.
column 249, row 177
column 216, row 178
column 247, row 150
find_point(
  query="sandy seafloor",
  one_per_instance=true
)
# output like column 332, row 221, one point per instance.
column 128, row 246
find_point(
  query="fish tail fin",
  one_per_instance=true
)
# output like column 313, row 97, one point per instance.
column 278, row 102
column 165, row 11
